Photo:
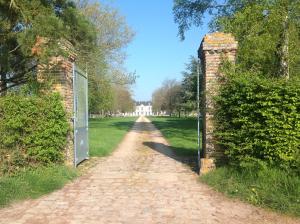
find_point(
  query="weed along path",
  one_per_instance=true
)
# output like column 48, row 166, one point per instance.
column 141, row 182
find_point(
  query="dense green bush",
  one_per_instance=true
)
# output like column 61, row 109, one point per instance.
column 33, row 131
column 258, row 120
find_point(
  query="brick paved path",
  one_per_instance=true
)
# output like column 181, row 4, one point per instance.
column 142, row 182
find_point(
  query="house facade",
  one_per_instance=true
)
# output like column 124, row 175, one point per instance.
column 143, row 108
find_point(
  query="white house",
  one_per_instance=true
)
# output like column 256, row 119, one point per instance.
column 143, row 109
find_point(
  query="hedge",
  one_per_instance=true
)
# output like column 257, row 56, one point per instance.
column 33, row 131
column 258, row 120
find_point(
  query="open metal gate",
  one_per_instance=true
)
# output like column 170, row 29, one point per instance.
column 80, row 92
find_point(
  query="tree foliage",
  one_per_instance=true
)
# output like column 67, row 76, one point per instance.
column 123, row 100
column 97, row 32
column 22, row 22
column 189, row 86
column 101, row 95
column 105, row 61
column 267, row 30
column 179, row 97
column 167, row 97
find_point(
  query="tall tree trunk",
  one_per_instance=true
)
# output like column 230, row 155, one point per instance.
column 283, row 48
column 2, row 84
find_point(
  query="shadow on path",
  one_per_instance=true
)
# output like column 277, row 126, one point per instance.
column 190, row 161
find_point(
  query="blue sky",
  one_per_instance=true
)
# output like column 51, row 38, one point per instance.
column 156, row 52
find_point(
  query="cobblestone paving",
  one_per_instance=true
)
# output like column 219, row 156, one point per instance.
column 141, row 182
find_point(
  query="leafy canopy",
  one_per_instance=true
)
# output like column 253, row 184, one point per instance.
column 23, row 21
column 267, row 30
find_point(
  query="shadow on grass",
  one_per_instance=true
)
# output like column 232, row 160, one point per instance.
column 182, row 128
column 180, row 123
column 106, row 122
column 182, row 155
column 138, row 127
column 122, row 125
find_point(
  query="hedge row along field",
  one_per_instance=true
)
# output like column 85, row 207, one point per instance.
column 33, row 131
column 258, row 121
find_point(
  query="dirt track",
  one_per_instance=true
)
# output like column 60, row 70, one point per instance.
column 141, row 182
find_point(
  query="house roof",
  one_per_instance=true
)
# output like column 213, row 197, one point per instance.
column 145, row 103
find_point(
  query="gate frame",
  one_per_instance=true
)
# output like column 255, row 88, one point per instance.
column 85, row 75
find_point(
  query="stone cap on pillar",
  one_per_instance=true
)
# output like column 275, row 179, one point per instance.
column 217, row 41
column 64, row 45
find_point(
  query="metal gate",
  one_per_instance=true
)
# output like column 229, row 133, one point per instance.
column 80, row 92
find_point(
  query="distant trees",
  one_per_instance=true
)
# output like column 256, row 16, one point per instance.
column 167, row 97
column 189, row 86
column 123, row 100
column 176, row 97
column 101, row 95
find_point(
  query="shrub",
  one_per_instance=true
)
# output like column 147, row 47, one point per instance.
column 258, row 119
column 33, row 131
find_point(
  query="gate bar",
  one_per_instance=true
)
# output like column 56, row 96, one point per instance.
column 74, row 113
column 198, row 113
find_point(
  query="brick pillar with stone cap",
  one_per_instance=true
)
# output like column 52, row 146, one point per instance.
column 214, row 48
column 63, row 84
column 60, row 69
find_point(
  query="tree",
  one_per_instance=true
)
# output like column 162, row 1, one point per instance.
column 123, row 101
column 189, row 85
column 267, row 37
column 168, row 97
column 158, row 103
column 191, row 12
column 21, row 22
column 267, row 31
column 98, row 34
column 101, row 95
column 113, row 35
column 105, row 61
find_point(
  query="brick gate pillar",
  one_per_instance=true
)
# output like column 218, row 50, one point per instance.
column 213, row 49
column 60, row 72
column 63, row 84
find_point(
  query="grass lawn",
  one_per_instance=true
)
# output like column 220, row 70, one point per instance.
column 106, row 133
column 271, row 188
column 34, row 183
column 181, row 133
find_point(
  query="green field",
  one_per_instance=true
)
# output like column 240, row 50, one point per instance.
column 106, row 133
column 181, row 133
column 34, row 183
column 271, row 188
